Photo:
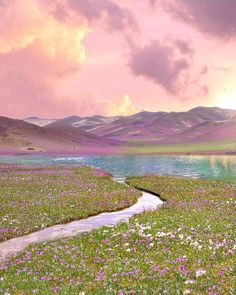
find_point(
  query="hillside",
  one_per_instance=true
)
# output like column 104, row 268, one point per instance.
column 20, row 136
column 97, row 134
column 154, row 126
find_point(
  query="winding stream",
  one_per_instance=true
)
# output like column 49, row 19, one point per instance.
column 13, row 246
column 213, row 167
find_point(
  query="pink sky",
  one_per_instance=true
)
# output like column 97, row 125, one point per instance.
column 115, row 57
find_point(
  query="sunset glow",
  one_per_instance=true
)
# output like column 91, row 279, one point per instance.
column 229, row 101
column 111, row 57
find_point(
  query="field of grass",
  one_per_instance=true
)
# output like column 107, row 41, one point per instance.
column 35, row 198
column 185, row 247
column 207, row 147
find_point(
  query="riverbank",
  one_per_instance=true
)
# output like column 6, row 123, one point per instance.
column 33, row 198
column 185, row 247
column 12, row 247
column 135, row 148
column 137, row 151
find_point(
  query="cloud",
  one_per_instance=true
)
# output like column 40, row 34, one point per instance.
column 23, row 22
column 184, row 47
column 36, row 52
column 41, row 46
column 165, row 64
column 216, row 18
column 170, row 64
column 122, row 107
column 88, row 105
column 117, row 18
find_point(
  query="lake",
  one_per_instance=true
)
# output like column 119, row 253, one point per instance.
column 214, row 167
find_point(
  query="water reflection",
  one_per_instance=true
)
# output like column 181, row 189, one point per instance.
column 216, row 167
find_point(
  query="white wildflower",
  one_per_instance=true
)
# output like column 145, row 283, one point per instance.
column 190, row 282
column 200, row 272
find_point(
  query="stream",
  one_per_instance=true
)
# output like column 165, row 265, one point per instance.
column 146, row 202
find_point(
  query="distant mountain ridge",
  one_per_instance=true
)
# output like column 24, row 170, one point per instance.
column 20, row 136
column 149, row 126
column 71, row 134
column 39, row 121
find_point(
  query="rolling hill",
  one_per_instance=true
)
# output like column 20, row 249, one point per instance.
column 97, row 133
column 21, row 136
column 152, row 126
column 159, row 126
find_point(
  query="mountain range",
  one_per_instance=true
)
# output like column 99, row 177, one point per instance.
column 99, row 133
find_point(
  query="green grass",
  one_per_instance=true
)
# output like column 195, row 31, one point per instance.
column 185, row 247
column 205, row 147
column 35, row 198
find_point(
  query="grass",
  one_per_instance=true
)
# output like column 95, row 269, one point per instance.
column 35, row 198
column 204, row 147
column 185, row 247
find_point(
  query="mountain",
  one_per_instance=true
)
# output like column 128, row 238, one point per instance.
column 39, row 121
column 86, row 123
column 148, row 126
column 208, row 131
column 143, row 126
column 20, row 136
column 97, row 133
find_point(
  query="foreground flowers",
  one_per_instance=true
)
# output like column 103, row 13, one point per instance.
column 185, row 247
column 35, row 198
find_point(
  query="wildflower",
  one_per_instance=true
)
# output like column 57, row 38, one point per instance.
column 163, row 271
column 181, row 259
column 187, row 291
column 200, row 272
column 221, row 272
column 183, row 269
column 190, row 282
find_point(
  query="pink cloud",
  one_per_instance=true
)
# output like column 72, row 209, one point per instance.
column 116, row 18
column 36, row 53
column 67, row 57
column 41, row 47
column 216, row 18
column 167, row 64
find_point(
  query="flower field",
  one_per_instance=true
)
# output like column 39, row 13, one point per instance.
column 35, row 198
column 185, row 247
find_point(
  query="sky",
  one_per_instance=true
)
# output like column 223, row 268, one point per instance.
column 115, row 57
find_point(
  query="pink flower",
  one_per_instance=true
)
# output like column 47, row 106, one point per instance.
column 163, row 271
column 181, row 259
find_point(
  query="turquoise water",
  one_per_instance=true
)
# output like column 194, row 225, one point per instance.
column 214, row 167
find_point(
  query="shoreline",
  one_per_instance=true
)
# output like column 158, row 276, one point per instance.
column 148, row 201
column 119, row 153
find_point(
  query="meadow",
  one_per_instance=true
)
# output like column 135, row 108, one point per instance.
column 211, row 148
column 185, row 247
column 36, row 198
